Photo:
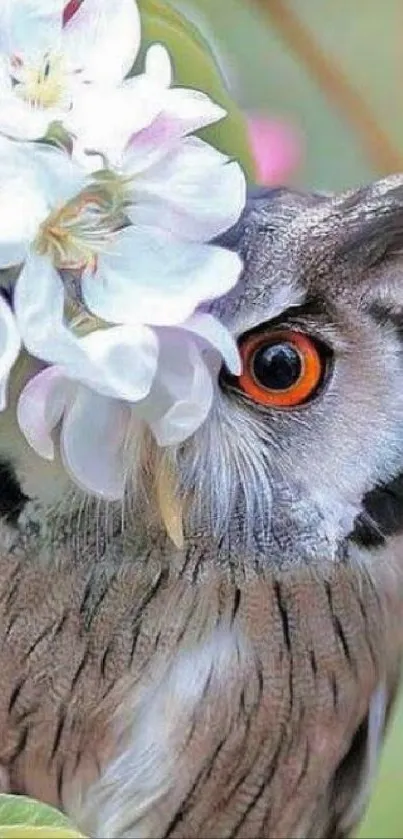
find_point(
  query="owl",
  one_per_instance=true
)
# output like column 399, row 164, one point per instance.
column 219, row 657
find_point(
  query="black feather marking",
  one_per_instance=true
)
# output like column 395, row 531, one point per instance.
column 382, row 516
column 12, row 499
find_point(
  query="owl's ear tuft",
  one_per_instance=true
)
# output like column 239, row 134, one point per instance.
column 371, row 240
column 371, row 222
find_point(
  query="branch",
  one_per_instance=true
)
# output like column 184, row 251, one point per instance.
column 384, row 157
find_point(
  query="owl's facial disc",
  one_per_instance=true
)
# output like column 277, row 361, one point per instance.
column 296, row 445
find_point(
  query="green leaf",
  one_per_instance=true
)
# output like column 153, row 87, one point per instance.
column 30, row 831
column 196, row 67
column 25, row 817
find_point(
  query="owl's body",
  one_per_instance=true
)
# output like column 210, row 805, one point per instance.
column 238, row 686
column 250, row 710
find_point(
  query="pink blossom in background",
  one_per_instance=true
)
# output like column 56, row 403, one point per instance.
column 276, row 148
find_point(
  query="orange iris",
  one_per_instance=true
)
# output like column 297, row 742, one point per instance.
column 297, row 374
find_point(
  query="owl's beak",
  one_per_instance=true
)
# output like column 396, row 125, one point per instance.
column 170, row 505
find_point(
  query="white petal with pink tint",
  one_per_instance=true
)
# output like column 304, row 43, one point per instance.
column 181, row 112
column 40, row 408
column 191, row 109
column 182, row 392
column 93, row 430
column 130, row 108
column 145, row 116
column 118, row 361
column 92, row 443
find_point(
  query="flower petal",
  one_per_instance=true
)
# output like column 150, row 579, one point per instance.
column 158, row 65
column 20, row 120
column 33, row 178
column 123, row 361
column 39, row 310
column 23, row 204
column 148, row 146
column 182, row 394
column 58, row 176
column 92, row 444
column 219, row 337
column 10, row 344
column 119, row 362
column 103, row 38
column 30, row 28
column 40, row 408
column 5, row 79
column 193, row 192
column 151, row 277
column 130, row 108
column 191, row 109
column 177, row 116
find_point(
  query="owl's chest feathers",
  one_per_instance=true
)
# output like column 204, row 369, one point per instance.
column 245, row 692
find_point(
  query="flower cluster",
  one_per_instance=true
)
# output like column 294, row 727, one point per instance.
column 108, row 207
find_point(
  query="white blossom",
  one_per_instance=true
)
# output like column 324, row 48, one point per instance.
column 45, row 66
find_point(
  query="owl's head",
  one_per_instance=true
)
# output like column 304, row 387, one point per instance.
column 302, row 456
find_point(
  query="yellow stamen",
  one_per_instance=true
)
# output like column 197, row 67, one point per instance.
column 42, row 86
column 73, row 235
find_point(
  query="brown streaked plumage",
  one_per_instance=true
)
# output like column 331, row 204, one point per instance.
column 276, row 714
column 238, row 685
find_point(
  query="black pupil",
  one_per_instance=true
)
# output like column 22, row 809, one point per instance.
column 277, row 366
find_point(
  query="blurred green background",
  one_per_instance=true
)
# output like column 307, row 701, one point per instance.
column 361, row 41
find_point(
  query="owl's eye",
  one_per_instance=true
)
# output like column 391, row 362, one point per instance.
column 281, row 369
